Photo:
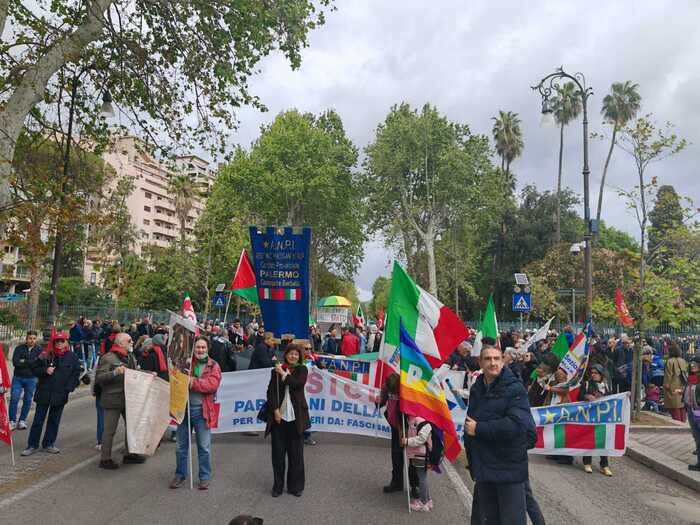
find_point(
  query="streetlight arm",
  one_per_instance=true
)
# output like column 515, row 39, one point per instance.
column 553, row 80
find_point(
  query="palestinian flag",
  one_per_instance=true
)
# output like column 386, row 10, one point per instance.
column 188, row 310
column 358, row 317
column 243, row 283
column 435, row 328
column 421, row 395
column 586, row 428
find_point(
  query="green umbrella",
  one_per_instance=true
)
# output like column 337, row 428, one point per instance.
column 333, row 300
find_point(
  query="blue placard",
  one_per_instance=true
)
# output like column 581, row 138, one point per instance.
column 219, row 300
column 522, row 302
column 355, row 366
column 281, row 265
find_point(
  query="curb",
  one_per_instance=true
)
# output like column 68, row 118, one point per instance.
column 664, row 465
column 646, row 428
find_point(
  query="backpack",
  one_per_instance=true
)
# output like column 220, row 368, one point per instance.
column 435, row 453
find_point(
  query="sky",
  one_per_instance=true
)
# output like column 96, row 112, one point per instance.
column 472, row 59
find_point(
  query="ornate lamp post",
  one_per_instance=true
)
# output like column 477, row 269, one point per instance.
column 546, row 87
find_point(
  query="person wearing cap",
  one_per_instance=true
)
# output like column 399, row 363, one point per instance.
column 594, row 387
column 691, row 399
column 58, row 371
column 290, row 418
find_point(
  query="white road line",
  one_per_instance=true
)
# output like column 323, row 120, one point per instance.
column 460, row 487
column 51, row 480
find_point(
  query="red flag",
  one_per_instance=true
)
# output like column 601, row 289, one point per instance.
column 380, row 321
column 5, row 432
column 623, row 314
column 188, row 310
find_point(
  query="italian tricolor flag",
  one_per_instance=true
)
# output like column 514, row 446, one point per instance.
column 243, row 283
column 604, row 436
column 435, row 328
column 280, row 294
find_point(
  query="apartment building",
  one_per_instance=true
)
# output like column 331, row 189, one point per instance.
column 14, row 275
column 150, row 206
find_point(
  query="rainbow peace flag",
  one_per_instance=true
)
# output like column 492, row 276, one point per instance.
column 421, row 395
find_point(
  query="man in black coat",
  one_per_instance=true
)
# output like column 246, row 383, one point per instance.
column 58, row 371
column 497, row 432
column 264, row 354
column 222, row 351
column 23, row 380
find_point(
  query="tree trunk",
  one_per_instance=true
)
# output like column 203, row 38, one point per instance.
column 56, row 275
column 557, row 231
column 35, row 289
column 605, row 172
column 429, row 240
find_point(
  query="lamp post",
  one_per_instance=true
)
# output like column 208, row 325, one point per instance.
column 546, row 88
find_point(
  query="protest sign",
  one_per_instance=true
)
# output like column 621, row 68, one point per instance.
column 182, row 334
column 333, row 315
column 599, row 427
column 147, row 410
column 281, row 265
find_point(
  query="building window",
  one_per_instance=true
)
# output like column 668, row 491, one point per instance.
column 149, row 195
column 146, row 222
column 146, row 208
column 93, row 278
column 144, row 235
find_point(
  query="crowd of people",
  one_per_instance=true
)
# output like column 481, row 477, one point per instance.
column 501, row 385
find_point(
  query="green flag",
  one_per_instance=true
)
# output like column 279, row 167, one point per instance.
column 489, row 326
column 561, row 346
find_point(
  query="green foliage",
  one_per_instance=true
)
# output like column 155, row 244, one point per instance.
column 74, row 291
column 508, row 137
column 331, row 284
column 380, row 294
column 9, row 318
column 621, row 104
column 613, row 239
column 567, row 103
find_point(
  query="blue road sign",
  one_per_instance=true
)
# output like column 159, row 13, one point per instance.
column 522, row 302
column 219, row 300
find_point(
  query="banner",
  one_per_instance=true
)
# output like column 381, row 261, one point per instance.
column 587, row 428
column 336, row 404
column 147, row 410
column 333, row 314
column 281, row 264
column 181, row 344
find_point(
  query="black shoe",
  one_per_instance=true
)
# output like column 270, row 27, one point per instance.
column 297, row 494
column 391, row 488
column 133, row 459
column 414, row 493
column 695, row 468
column 108, row 464
column 275, row 493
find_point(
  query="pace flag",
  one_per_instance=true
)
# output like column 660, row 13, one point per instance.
column 422, row 395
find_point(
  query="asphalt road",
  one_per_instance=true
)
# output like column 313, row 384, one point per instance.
column 344, row 479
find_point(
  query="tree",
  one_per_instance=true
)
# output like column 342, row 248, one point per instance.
column 619, row 107
column 300, row 171
column 646, row 144
column 183, row 190
column 666, row 220
column 176, row 68
column 380, row 294
column 567, row 107
column 508, row 137
column 421, row 171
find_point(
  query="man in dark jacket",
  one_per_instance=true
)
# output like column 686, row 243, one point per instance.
column 58, row 370
column 145, row 328
column 497, row 430
column 23, row 380
column 622, row 359
column 264, row 354
column 222, row 351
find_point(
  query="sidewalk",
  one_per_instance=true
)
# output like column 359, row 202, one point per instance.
column 667, row 448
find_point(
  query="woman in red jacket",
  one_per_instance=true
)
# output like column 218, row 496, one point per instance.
column 287, row 402
column 204, row 382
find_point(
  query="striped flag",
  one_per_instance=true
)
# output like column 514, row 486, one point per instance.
column 583, row 429
column 421, row 394
column 280, row 294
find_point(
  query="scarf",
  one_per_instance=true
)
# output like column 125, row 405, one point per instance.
column 162, row 367
column 693, row 379
column 199, row 366
column 122, row 352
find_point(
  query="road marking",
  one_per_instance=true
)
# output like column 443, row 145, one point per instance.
column 460, row 487
column 51, row 480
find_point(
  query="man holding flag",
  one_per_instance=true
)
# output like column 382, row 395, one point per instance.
column 497, row 433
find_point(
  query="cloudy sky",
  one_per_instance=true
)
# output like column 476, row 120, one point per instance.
column 473, row 58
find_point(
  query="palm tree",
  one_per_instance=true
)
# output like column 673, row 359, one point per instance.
column 182, row 190
column 508, row 137
column 619, row 107
column 567, row 106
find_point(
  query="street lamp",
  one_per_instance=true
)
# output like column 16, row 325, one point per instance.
column 546, row 88
column 107, row 110
column 547, row 120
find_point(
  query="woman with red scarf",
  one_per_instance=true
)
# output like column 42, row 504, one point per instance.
column 287, row 403
column 58, row 371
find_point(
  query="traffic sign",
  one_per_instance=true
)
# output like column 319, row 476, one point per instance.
column 522, row 302
column 219, row 300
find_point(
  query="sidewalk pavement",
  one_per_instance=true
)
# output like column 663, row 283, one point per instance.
column 666, row 448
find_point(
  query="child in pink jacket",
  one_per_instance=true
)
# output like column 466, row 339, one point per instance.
column 416, row 450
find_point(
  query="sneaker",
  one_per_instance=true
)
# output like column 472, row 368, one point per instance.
column 29, row 451
column 98, row 446
column 108, row 464
column 177, row 482
column 51, row 450
column 391, row 488
column 606, row 471
column 588, row 469
column 309, row 441
column 22, row 425
column 203, row 484
column 13, row 425
column 419, row 506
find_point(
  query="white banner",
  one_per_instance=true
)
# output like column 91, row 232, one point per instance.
column 147, row 410
column 336, row 404
column 337, row 315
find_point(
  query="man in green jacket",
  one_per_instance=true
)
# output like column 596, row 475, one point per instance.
column 110, row 378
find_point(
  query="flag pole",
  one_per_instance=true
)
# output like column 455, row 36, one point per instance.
column 406, row 483
column 12, row 449
column 189, row 419
column 228, row 303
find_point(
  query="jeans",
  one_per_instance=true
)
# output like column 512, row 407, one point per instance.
column 695, row 428
column 100, row 419
column 90, row 355
column 203, row 435
column 54, row 413
column 19, row 385
column 423, row 488
column 587, row 460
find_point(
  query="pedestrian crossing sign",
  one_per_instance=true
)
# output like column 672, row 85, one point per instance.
column 219, row 300
column 522, row 302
